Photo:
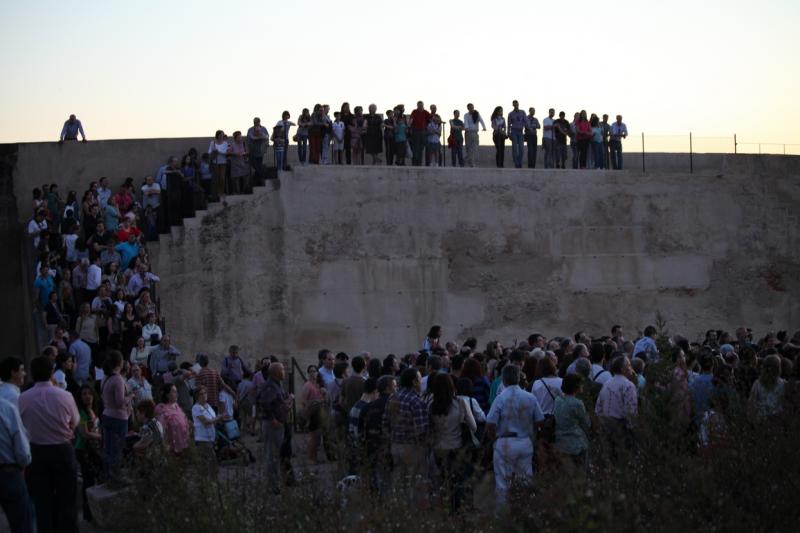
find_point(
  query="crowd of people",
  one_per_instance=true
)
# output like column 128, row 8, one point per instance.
column 429, row 423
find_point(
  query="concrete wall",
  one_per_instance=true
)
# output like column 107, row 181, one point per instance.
column 369, row 258
column 73, row 165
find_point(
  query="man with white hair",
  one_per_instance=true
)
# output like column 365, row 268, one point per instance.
column 511, row 424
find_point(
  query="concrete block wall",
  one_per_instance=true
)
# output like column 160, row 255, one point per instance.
column 369, row 258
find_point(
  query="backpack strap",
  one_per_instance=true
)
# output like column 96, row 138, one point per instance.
column 599, row 374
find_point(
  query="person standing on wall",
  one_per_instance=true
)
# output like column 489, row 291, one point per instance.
column 499, row 136
column 532, row 136
column 471, row 121
column 218, row 150
column 456, row 140
column 420, row 118
column 516, row 132
column 257, row 141
column 561, row 132
column 619, row 131
column 606, row 127
column 347, row 119
column 285, row 124
column 388, row 136
column 316, row 131
column 72, row 127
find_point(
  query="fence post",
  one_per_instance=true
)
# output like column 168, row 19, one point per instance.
column 735, row 145
column 759, row 148
column 443, row 147
column 691, row 161
column 643, row 167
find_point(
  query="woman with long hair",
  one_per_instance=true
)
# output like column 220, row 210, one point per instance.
column 448, row 414
column 583, row 132
column 499, row 136
column 480, row 385
column 87, row 442
column 116, row 405
column 433, row 339
column 374, row 135
column 312, row 400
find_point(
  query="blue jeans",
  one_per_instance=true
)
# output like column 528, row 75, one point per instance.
column 16, row 502
column 302, row 149
column 457, row 153
column 576, row 154
column 114, row 432
column 616, row 154
column 549, row 152
column 517, row 146
column 533, row 146
column 561, row 155
column 280, row 157
column 597, row 150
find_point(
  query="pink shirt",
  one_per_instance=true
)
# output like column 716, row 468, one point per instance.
column 617, row 399
column 49, row 414
column 175, row 424
column 115, row 404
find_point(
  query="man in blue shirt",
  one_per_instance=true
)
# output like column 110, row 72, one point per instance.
column 15, row 455
column 647, row 346
column 127, row 251
column 83, row 358
column 619, row 131
column 71, row 129
column 43, row 286
column 516, row 128
column 702, row 387
column 512, row 421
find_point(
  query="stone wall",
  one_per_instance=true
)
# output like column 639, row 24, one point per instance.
column 369, row 258
column 74, row 165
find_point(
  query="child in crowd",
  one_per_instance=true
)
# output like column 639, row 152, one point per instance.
column 434, row 151
column 151, row 432
column 279, row 145
column 338, row 138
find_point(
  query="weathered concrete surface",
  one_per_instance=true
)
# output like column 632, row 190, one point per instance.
column 369, row 258
column 73, row 165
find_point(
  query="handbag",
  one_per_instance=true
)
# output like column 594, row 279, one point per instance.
column 468, row 438
column 547, row 431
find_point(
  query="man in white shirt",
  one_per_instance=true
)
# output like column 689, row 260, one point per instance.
column 103, row 192
column 12, row 373
column 36, row 226
column 471, row 121
column 94, row 276
column 151, row 193
column 619, row 131
column 548, row 139
column 617, row 405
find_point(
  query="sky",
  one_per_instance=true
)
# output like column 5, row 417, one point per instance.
column 185, row 69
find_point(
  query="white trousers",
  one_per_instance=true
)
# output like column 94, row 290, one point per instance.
column 513, row 458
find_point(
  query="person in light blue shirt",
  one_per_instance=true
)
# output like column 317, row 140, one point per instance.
column 512, row 420
column 15, row 455
column 619, row 131
column 702, row 387
column 43, row 286
column 72, row 127
column 127, row 250
column 83, row 358
column 647, row 346
column 517, row 120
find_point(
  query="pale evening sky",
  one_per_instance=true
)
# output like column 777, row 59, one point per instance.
column 183, row 69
